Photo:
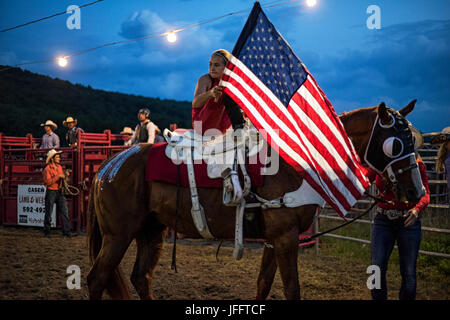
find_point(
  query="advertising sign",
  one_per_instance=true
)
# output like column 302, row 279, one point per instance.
column 31, row 206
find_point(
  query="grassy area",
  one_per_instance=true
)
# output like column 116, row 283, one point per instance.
column 429, row 268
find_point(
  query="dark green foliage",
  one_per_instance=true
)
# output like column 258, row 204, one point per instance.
column 28, row 99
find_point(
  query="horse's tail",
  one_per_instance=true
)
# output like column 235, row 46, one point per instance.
column 116, row 286
column 94, row 236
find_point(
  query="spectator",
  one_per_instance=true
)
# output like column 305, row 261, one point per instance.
column 72, row 133
column 145, row 131
column 443, row 158
column 128, row 132
column 53, row 176
column 50, row 140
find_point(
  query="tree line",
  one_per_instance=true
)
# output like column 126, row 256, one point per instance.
column 28, row 99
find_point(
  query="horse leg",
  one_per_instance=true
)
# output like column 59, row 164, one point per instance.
column 266, row 273
column 286, row 251
column 104, row 273
column 149, row 247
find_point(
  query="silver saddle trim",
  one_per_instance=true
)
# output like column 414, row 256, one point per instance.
column 217, row 150
column 303, row 196
column 238, row 251
column 197, row 211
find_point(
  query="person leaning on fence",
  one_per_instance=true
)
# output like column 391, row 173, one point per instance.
column 443, row 157
column 145, row 131
column 397, row 222
column 53, row 176
column 72, row 133
column 50, row 139
column 128, row 133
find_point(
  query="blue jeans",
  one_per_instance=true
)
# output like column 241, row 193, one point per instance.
column 52, row 197
column 385, row 233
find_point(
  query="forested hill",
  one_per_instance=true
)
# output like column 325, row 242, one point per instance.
column 28, row 99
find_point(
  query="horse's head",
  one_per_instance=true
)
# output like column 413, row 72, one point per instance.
column 384, row 139
column 390, row 151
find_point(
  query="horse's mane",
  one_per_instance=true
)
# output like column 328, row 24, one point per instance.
column 350, row 114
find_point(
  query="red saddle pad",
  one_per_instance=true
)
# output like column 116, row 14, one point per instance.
column 160, row 168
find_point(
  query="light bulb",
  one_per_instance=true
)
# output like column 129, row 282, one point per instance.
column 62, row 62
column 311, row 3
column 171, row 37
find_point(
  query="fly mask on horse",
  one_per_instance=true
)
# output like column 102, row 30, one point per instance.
column 393, row 134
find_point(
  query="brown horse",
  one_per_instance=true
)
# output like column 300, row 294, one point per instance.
column 123, row 206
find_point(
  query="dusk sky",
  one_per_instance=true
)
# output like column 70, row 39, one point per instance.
column 407, row 58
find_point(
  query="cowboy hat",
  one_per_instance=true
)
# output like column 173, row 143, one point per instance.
column 127, row 130
column 51, row 124
column 51, row 154
column 442, row 137
column 418, row 138
column 69, row 120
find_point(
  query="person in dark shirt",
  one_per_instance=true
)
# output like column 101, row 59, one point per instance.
column 145, row 131
column 72, row 133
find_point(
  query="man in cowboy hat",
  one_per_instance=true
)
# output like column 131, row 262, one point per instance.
column 53, row 176
column 128, row 132
column 50, row 140
column 72, row 133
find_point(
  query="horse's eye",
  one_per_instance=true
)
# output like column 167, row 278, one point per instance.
column 393, row 147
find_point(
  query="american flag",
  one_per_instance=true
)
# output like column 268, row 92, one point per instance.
column 281, row 98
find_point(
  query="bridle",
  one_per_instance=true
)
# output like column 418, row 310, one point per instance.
column 396, row 135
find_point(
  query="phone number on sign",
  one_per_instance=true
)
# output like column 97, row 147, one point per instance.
column 33, row 209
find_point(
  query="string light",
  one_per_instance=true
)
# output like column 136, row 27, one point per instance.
column 167, row 34
column 62, row 62
column 171, row 37
column 45, row 18
column 311, row 3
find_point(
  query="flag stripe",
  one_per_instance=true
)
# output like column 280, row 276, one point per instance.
column 325, row 169
column 325, row 147
column 338, row 141
column 279, row 144
column 338, row 189
column 337, row 127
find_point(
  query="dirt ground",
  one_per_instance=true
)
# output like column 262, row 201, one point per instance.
column 33, row 267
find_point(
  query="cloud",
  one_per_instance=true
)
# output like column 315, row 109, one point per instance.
column 141, row 24
column 398, row 63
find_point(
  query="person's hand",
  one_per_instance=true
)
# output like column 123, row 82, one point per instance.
column 62, row 176
column 411, row 217
column 216, row 92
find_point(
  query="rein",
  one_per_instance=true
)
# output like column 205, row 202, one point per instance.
column 339, row 226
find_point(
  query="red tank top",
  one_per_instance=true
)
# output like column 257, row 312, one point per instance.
column 212, row 115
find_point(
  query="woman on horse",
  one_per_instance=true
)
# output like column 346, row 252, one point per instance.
column 210, row 108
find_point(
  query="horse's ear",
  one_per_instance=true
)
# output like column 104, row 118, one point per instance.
column 383, row 114
column 407, row 110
